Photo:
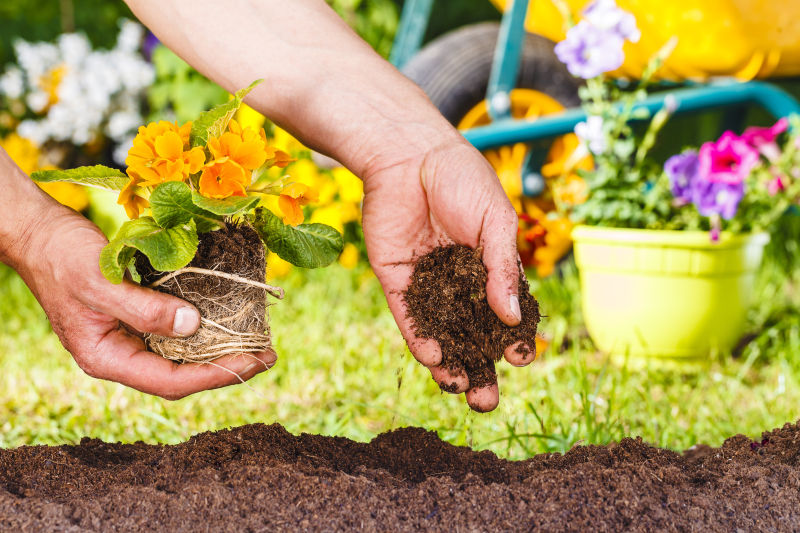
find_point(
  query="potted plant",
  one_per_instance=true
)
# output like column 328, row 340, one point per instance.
column 195, row 195
column 667, row 254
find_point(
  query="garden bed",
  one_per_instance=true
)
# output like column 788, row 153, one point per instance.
column 261, row 477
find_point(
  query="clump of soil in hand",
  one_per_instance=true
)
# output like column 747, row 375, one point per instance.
column 234, row 313
column 446, row 301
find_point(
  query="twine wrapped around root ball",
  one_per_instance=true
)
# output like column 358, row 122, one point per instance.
column 224, row 330
column 226, row 282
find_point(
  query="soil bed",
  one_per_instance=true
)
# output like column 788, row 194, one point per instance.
column 447, row 302
column 261, row 478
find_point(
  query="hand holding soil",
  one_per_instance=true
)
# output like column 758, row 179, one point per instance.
column 451, row 195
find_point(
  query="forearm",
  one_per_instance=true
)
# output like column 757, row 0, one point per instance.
column 322, row 82
column 22, row 206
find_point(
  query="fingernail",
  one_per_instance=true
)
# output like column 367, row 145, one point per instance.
column 513, row 304
column 187, row 320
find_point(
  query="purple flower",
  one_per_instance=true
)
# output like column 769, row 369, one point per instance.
column 589, row 51
column 716, row 198
column 150, row 43
column 605, row 15
column 591, row 133
column 729, row 160
column 682, row 170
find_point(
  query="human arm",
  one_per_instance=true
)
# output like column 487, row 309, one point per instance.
column 56, row 251
column 424, row 184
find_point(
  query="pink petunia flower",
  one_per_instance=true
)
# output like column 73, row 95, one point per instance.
column 729, row 160
column 763, row 139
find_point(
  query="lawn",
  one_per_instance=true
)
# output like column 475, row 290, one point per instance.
column 344, row 370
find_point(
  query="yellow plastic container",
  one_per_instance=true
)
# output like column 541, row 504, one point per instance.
column 742, row 38
column 667, row 294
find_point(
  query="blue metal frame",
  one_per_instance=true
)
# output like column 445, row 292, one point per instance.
column 507, row 57
column 411, row 32
column 774, row 100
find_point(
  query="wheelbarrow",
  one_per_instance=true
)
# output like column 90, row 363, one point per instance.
column 503, row 86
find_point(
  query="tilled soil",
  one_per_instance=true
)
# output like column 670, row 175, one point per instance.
column 261, row 478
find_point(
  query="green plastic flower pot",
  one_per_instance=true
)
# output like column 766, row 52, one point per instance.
column 666, row 294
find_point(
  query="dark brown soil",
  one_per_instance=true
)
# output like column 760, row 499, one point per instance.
column 261, row 478
column 447, row 302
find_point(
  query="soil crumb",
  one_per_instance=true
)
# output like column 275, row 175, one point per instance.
column 262, row 478
column 446, row 301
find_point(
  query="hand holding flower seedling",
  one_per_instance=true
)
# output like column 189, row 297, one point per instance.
column 202, row 184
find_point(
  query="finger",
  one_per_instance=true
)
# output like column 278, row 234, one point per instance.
column 394, row 280
column 452, row 381
column 483, row 399
column 520, row 353
column 499, row 242
column 144, row 309
column 121, row 357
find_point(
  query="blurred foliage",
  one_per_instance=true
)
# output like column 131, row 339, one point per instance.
column 43, row 20
column 374, row 20
column 180, row 92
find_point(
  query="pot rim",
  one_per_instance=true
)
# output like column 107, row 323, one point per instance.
column 649, row 237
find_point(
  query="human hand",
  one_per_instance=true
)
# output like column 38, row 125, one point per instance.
column 87, row 312
column 448, row 194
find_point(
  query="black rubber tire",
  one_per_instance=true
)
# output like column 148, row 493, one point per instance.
column 454, row 69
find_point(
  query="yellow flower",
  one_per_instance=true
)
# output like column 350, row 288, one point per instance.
column 161, row 153
column 282, row 140
column 129, row 198
column 351, row 189
column 277, row 267
column 292, row 198
column 249, row 117
column 349, row 256
column 223, row 178
column 26, row 155
column 330, row 215
column 50, row 82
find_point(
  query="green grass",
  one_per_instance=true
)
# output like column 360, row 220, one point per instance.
column 344, row 370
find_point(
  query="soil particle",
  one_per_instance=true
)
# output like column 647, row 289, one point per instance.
column 446, row 301
column 262, row 478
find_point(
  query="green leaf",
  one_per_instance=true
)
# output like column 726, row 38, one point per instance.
column 167, row 249
column 213, row 122
column 306, row 246
column 172, row 205
column 226, row 207
column 96, row 176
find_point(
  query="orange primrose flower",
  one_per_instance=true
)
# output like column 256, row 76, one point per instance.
column 134, row 204
column 245, row 146
column 223, row 178
column 292, row 197
column 161, row 153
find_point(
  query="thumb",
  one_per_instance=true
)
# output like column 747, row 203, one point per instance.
column 146, row 310
column 499, row 242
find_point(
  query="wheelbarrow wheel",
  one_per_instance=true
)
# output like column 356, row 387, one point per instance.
column 454, row 72
column 454, row 69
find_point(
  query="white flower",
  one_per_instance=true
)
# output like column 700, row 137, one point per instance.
column 591, row 134
column 121, row 150
column 36, row 59
column 130, row 36
column 12, row 83
column 74, row 48
column 37, row 101
column 122, row 123
column 33, row 131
